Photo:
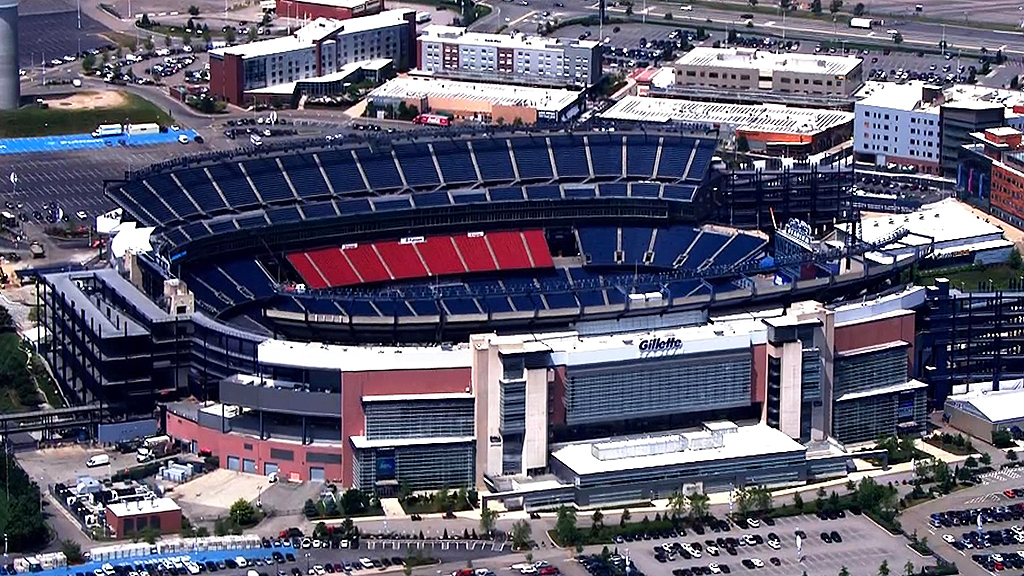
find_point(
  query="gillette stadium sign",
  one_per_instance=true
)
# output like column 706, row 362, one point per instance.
column 661, row 345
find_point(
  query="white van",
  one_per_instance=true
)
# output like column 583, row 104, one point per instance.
column 97, row 460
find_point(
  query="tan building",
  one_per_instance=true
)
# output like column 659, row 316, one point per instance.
column 751, row 70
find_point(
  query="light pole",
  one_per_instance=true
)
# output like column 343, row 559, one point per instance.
column 307, row 562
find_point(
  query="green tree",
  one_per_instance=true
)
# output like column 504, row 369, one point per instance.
column 354, row 502
column 798, row 501
column 521, row 534
column 908, row 568
column 1015, row 260
column 73, row 551
column 252, row 34
column 88, row 62
column 986, row 459
column 1011, row 455
column 242, row 513
column 858, row 10
column 883, row 568
column 897, row 38
column 678, row 503
column 971, row 462
column 835, row 6
column 843, row 571
column 148, row 43
column 625, row 517
column 229, row 35
column 167, row 40
column 698, row 504
column 488, row 516
column 668, row 15
column 193, row 10
column 816, row 6
column 565, row 526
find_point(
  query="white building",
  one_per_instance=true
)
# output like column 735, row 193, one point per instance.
column 752, row 69
column 453, row 52
column 902, row 123
column 320, row 48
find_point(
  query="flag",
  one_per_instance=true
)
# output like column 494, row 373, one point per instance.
column 979, row 522
column 14, row 178
column 799, row 545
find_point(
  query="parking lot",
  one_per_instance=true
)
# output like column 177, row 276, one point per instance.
column 863, row 547
column 49, row 28
column 49, row 466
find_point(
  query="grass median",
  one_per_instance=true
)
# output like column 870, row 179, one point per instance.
column 35, row 121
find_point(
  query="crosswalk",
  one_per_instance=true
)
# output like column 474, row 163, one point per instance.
column 992, row 497
column 1001, row 475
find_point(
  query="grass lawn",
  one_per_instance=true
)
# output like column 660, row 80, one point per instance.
column 967, row 280
column 33, row 121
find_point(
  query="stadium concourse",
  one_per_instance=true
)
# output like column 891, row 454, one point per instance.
column 443, row 310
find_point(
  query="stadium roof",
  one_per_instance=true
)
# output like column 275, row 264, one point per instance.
column 310, row 34
column 459, row 35
column 747, row 441
column 768, row 62
column 995, row 406
column 362, row 358
column 553, row 99
column 752, row 117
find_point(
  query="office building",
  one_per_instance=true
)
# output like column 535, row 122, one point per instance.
column 320, row 50
column 453, row 52
column 751, row 70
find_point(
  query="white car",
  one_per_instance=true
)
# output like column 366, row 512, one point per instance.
column 183, row 139
column 996, row 557
column 774, row 544
column 715, row 569
column 175, row 128
column 948, row 538
column 753, row 522
column 757, row 562
column 242, row 562
column 319, row 570
column 713, row 550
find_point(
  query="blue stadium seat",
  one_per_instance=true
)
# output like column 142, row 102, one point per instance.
column 701, row 159
column 233, row 184
column 581, row 274
column 513, row 194
column 495, row 304
column 606, row 154
column 319, row 210
column 644, row 190
column 379, row 167
column 682, row 288
column 395, row 307
column 321, row 306
column 424, row 307
column 354, row 206
column 222, row 226
column 670, row 243
column 675, row 154
column 493, row 159
column 635, row 241
column 591, row 297
column 580, row 191
column 195, row 230
column 640, row 154
column 248, row 273
column 205, row 295
column 283, row 214
column 683, row 193
column 548, row 192
column 417, row 165
column 455, row 162
column 145, row 200
column 704, row 248
column 218, row 282
column 560, row 300
column 532, row 158
column 570, row 156
column 460, row 306
column 201, row 190
column 341, row 170
column 615, row 296
column 428, row 199
column 251, row 221
column 599, row 243
column 469, row 197
column 359, row 307
column 168, row 190
column 737, row 250
column 305, row 175
column 288, row 305
column 391, row 203
column 526, row 302
column 176, row 236
column 613, row 189
column 268, row 180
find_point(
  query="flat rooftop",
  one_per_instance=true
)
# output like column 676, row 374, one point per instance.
column 362, row 358
column 157, row 505
column 768, row 62
column 754, row 117
column 406, row 87
column 909, row 96
column 993, row 405
column 337, row 3
column 341, row 75
column 745, row 442
column 944, row 221
column 459, row 35
column 315, row 31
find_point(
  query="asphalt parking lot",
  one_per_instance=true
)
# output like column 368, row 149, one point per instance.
column 65, row 464
column 864, row 545
column 49, row 29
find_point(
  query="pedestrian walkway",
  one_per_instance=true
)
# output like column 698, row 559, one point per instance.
column 392, row 508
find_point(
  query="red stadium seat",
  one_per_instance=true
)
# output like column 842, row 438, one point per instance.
column 475, row 253
column 334, row 267
column 509, row 250
column 401, row 259
column 309, row 272
column 366, row 262
column 441, row 256
column 538, row 248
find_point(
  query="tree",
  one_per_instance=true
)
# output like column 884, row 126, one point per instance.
column 186, row 40
column 816, row 6
column 320, row 530
column 252, row 34
column 858, row 10
column 883, row 568
column 986, row 459
column 1015, row 259
column 167, row 40
column 897, row 38
column 629, row 9
column 597, row 521
column 206, row 34
column 908, row 568
column 193, row 10
column 242, row 513
column 843, row 571
column 72, row 550
column 698, row 504
column 798, row 501
column 835, row 6
column 229, row 35
column 668, row 15
column 354, row 502
column 753, row 3
column 677, row 503
column 1011, row 455
column 190, row 25
column 144, row 22
column 625, row 517
column 971, row 462
column 148, row 43
column 819, row 500
column 1002, row 439
column 521, row 534
column 488, row 516
column 88, row 62
column 565, row 526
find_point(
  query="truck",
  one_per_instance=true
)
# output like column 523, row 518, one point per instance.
column 432, row 120
column 146, row 128
column 37, row 250
column 864, row 23
column 422, row 17
column 106, row 130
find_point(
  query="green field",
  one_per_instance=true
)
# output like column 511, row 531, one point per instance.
column 33, row 121
column 967, row 280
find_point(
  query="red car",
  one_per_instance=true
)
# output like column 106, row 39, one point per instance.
column 549, row 571
column 1009, row 494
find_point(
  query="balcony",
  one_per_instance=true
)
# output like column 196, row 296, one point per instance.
column 279, row 396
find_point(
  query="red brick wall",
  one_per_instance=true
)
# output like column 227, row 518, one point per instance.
column 306, row 11
column 875, row 332
column 1007, row 188
column 170, row 521
column 226, row 78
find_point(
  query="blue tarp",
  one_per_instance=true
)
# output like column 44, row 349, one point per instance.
column 82, row 141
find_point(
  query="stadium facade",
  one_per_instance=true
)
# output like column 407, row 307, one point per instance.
column 460, row 309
